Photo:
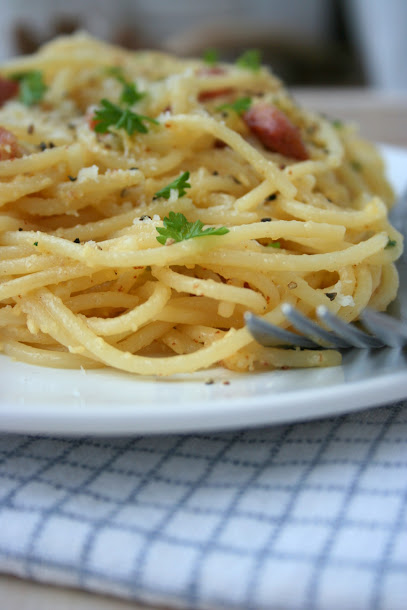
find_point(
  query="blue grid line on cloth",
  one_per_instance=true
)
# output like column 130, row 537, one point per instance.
column 383, row 568
column 233, row 549
column 350, row 523
column 319, row 566
column 138, row 568
column 254, row 576
column 164, row 456
column 46, row 514
column 211, row 542
column 281, row 487
column 207, row 490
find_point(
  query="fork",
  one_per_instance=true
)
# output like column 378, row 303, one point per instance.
column 386, row 330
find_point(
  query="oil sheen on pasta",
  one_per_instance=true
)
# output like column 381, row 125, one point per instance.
column 84, row 280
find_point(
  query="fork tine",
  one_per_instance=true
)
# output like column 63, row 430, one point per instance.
column 266, row 333
column 391, row 331
column 310, row 328
column 356, row 337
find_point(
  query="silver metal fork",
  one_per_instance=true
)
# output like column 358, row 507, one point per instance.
column 384, row 330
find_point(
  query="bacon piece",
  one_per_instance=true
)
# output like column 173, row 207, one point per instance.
column 90, row 117
column 211, row 71
column 9, row 148
column 8, row 89
column 92, row 122
column 213, row 93
column 275, row 131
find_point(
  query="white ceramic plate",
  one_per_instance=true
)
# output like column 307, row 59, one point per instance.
column 50, row 401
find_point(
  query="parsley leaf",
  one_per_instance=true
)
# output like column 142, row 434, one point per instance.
column 111, row 115
column 115, row 71
column 337, row 123
column 274, row 244
column 391, row 243
column 176, row 227
column 211, row 57
column 239, row 106
column 356, row 165
column 32, row 87
column 250, row 60
column 130, row 94
column 179, row 184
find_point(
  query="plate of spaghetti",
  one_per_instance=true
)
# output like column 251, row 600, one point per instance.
column 146, row 203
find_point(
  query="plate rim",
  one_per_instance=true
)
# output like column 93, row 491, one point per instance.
column 141, row 419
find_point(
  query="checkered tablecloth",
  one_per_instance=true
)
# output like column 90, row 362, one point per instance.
column 312, row 515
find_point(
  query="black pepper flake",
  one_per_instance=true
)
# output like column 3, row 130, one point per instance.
column 145, row 216
column 235, row 180
column 331, row 295
column 30, row 129
column 51, row 145
column 72, row 178
column 209, row 382
column 272, row 197
column 20, row 228
column 42, row 146
column 133, row 169
column 77, row 241
column 267, row 219
column 311, row 129
column 215, row 173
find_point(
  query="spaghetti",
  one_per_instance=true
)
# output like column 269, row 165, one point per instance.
column 147, row 202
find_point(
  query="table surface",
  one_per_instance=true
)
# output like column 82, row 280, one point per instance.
column 382, row 118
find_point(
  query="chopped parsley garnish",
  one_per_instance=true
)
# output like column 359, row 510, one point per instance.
column 211, row 57
column 177, row 228
column 130, row 94
column 356, row 165
column 35, row 243
column 337, row 124
column 32, row 87
column 111, row 115
column 391, row 243
column 179, row 184
column 274, row 244
column 250, row 60
column 239, row 106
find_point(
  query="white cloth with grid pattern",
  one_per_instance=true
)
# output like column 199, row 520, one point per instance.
column 306, row 516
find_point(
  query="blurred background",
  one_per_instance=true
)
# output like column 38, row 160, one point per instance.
column 308, row 42
column 355, row 46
